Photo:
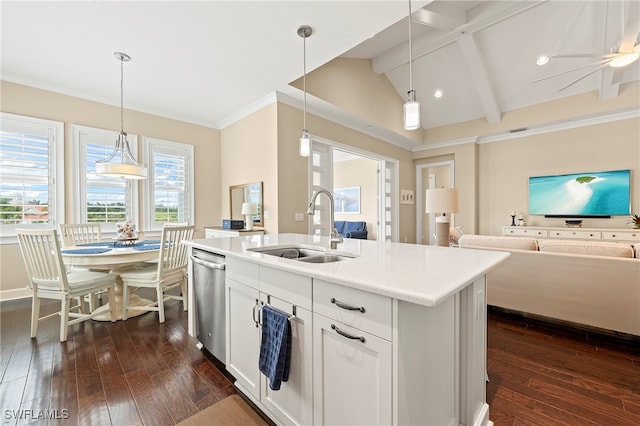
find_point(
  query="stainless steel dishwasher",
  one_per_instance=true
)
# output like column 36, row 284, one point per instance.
column 208, row 283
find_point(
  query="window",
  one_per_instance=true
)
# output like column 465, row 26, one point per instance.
column 168, row 191
column 32, row 173
column 98, row 199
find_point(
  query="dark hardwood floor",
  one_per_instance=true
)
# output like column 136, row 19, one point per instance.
column 142, row 372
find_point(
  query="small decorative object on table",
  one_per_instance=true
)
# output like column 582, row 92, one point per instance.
column 513, row 218
column 126, row 232
column 635, row 220
column 573, row 223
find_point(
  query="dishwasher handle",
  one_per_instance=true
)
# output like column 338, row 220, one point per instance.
column 212, row 265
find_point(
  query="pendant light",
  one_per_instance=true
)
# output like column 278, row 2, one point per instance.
column 411, row 109
column 305, row 141
column 126, row 167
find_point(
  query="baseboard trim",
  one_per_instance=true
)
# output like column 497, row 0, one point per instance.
column 16, row 293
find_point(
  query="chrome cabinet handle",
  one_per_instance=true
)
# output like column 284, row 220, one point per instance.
column 347, row 307
column 347, row 335
column 254, row 314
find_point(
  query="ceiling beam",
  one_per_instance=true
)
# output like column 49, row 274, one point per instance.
column 434, row 40
column 443, row 16
column 480, row 77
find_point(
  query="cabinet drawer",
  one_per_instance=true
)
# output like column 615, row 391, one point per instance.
column 372, row 313
column 243, row 272
column 578, row 234
column 294, row 288
column 522, row 231
column 621, row 235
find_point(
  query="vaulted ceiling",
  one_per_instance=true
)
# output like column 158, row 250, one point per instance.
column 203, row 62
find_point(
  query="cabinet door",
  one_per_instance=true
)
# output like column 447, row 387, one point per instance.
column 351, row 377
column 292, row 403
column 243, row 336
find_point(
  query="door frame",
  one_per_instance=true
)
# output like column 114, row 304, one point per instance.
column 395, row 187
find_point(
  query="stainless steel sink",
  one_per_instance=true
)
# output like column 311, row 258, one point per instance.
column 302, row 253
column 292, row 252
column 324, row 258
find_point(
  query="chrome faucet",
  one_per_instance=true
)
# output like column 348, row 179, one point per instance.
column 335, row 237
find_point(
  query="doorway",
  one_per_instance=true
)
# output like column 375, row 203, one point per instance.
column 366, row 181
column 438, row 174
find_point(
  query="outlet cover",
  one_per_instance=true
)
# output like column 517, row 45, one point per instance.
column 299, row 217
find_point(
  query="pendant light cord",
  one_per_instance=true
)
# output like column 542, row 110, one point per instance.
column 122, row 95
column 304, row 80
column 410, row 52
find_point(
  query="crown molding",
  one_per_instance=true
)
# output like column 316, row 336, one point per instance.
column 573, row 123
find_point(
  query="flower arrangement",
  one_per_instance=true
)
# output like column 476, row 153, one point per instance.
column 635, row 220
column 126, row 230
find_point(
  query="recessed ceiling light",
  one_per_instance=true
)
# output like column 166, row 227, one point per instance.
column 437, row 94
column 542, row 60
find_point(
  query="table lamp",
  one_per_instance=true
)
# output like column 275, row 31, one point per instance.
column 442, row 200
column 248, row 210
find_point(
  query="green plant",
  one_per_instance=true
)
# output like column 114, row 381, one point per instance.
column 635, row 219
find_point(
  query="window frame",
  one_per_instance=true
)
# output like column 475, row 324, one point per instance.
column 80, row 134
column 56, row 202
column 150, row 146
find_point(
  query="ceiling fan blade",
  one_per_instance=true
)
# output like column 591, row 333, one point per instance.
column 604, row 61
column 584, row 55
column 582, row 78
column 630, row 34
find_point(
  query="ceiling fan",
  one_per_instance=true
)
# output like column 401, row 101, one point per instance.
column 626, row 53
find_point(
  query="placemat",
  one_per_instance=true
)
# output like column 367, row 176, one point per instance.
column 87, row 251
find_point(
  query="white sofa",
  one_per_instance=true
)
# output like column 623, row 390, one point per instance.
column 593, row 283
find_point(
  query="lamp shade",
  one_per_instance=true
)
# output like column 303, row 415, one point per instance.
column 411, row 115
column 249, row 208
column 121, row 170
column 442, row 200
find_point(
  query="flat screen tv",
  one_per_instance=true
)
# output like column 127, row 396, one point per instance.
column 581, row 195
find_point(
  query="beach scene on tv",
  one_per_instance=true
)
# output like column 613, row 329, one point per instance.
column 581, row 194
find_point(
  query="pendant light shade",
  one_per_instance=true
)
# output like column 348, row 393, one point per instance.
column 121, row 163
column 411, row 109
column 304, row 31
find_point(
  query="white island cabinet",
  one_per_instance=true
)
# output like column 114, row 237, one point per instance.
column 249, row 287
column 394, row 335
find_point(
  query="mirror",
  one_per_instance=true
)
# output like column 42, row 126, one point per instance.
column 247, row 193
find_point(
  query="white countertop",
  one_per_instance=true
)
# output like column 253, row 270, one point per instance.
column 426, row 275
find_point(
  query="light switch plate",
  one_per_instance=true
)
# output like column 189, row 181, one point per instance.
column 299, row 217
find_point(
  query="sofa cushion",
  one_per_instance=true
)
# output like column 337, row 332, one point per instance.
column 595, row 248
column 354, row 226
column 339, row 225
column 501, row 242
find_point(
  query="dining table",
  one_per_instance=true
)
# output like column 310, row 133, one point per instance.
column 117, row 257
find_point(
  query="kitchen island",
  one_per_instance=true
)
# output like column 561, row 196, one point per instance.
column 388, row 334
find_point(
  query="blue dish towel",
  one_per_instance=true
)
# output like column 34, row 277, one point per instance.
column 87, row 251
column 275, row 350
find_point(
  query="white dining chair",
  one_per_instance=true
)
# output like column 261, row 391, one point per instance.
column 49, row 279
column 167, row 274
column 75, row 234
column 80, row 233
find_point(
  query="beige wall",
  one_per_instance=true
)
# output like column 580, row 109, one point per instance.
column 249, row 154
column 352, row 85
column 363, row 173
column 24, row 100
column 504, row 169
column 493, row 177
